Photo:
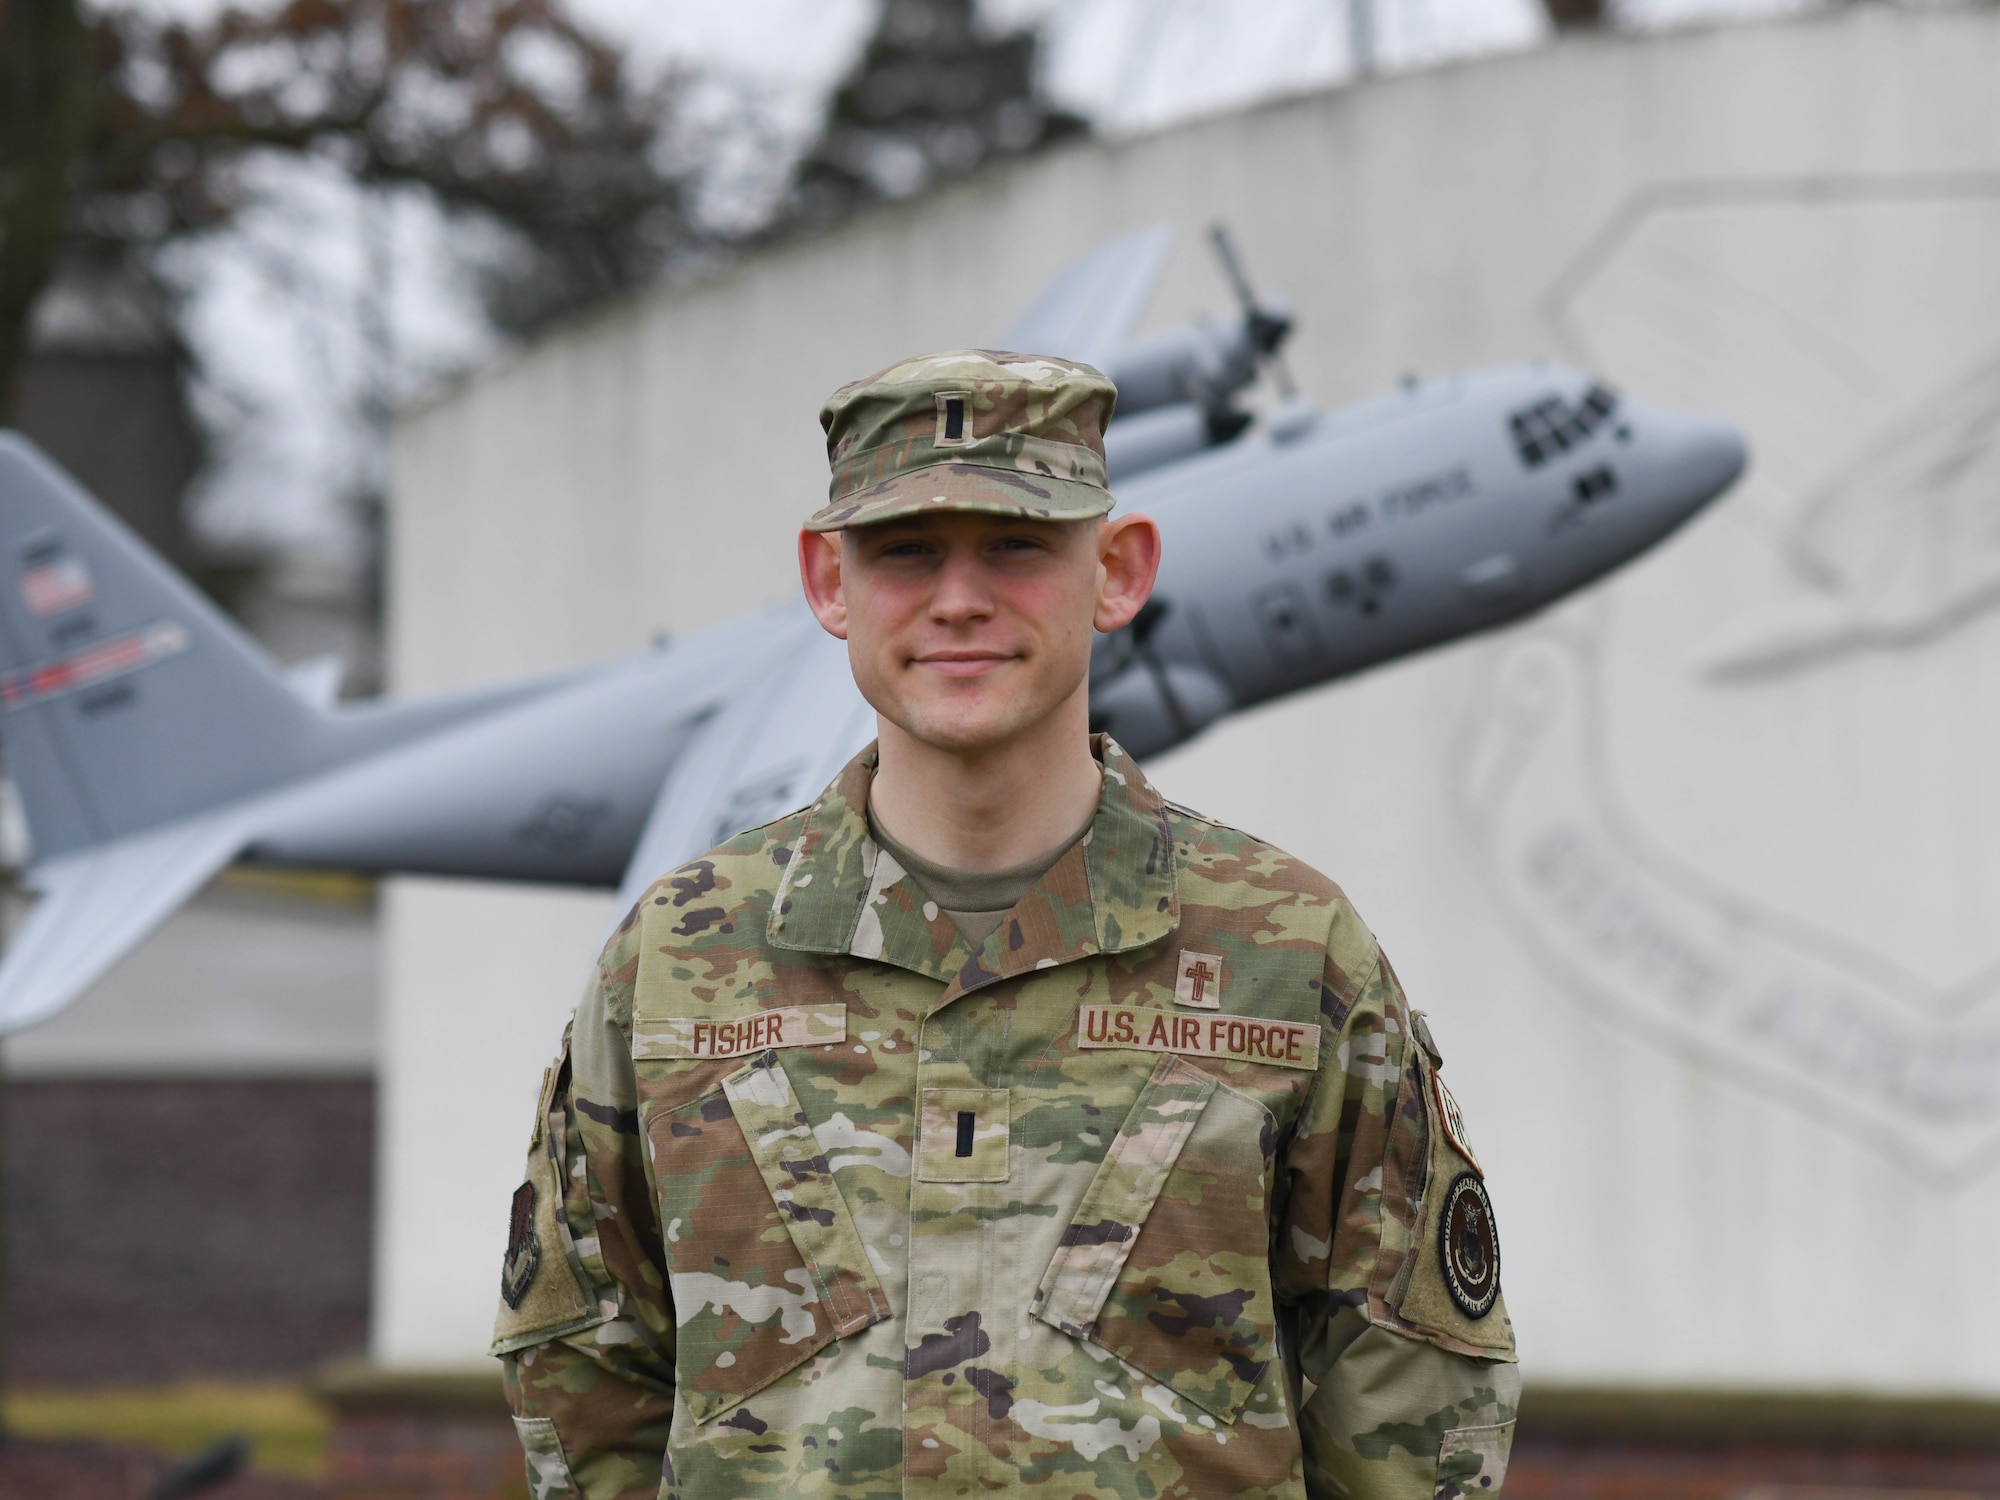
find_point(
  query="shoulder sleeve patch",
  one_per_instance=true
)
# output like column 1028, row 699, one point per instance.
column 542, row 1292
column 1446, row 1113
column 1454, row 1286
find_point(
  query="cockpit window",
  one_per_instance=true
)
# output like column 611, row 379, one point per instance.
column 1552, row 426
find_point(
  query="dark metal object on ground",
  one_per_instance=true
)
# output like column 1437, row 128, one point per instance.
column 218, row 1463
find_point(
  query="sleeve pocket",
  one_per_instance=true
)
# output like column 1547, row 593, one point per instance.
column 541, row 1289
column 1473, row 1461
column 1451, row 1290
column 549, row 1477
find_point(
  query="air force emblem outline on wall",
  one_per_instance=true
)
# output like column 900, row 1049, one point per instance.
column 1198, row 980
column 1791, row 1001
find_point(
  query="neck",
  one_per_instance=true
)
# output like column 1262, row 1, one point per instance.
column 991, row 808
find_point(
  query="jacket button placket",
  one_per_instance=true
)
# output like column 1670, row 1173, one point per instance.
column 959, row 1335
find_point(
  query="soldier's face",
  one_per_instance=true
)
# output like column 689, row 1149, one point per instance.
column 968, row 631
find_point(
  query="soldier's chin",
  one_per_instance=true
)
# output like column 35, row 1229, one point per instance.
column 965, row 724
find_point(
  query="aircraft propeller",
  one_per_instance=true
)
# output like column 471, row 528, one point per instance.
column 1267, row 324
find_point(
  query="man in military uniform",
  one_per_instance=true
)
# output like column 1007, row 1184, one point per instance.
column 993, row 1124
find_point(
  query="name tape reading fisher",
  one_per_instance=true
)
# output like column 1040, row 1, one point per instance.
column 792, row 1026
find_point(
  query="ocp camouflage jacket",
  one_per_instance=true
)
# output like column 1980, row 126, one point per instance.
column 1154, row 1195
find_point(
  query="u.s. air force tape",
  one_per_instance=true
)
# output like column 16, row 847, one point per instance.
column 1284, row 1044
column 696, row 1036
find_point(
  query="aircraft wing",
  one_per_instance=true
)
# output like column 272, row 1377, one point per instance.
column 1088, row 312
column 798, row 719
column 99, row 901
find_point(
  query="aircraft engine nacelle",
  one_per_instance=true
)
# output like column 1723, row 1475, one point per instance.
column 1203, row 362
column 1167, row 434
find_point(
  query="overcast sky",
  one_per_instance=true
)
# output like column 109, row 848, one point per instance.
column 276, row 306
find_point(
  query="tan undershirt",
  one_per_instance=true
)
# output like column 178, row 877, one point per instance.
column 975, row 899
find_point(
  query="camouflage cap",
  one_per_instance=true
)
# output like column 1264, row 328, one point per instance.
column 968, row 429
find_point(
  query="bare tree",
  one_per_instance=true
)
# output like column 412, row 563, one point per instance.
column 122, row 132
column 45, row 117
column 933, row 97
column 1574, row 15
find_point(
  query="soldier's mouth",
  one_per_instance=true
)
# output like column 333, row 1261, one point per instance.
column 962, row 663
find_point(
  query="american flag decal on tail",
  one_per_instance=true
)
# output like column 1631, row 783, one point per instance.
column 94, row 664
column 55, row 587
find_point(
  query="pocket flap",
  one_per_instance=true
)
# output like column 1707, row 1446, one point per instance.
column 1128, row 1182
column 1473, row 1461
column 801, row 1183
column 549, row 1477
column 763, row 1261
column 1167, row 1262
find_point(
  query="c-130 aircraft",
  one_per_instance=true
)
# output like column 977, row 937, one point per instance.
column 152, row 742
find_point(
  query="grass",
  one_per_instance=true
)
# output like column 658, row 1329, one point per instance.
column 335, row 887
column 286, row 1426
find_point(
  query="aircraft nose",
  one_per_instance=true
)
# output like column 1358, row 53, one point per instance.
column 1717, row 455
column 1698, row 458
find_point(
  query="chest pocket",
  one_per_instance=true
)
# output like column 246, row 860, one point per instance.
column 763, row 1260
column 1167, row 1261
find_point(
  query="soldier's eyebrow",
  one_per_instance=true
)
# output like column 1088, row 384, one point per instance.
column 869, row 541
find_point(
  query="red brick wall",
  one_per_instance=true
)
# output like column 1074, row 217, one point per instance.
column 163, row 1230
column 379, row 1452
column 1612, row 1471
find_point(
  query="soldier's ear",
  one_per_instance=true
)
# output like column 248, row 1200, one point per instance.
column 820, row 574
column 1128, row 560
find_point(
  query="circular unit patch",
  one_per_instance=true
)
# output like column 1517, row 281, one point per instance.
column 1469, row 1246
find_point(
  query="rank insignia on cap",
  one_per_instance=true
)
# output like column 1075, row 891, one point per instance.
column 1199, row 980
column 954, row 429
column 1452, row 1123
column 524, row 1248
column 1469, row 1246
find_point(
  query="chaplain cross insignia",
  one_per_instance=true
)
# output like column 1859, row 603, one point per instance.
column 1199, row 982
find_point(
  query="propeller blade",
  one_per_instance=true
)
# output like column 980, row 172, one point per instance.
column 1268, row 327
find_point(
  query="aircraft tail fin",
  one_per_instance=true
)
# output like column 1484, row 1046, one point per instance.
column 98, row 902
column 1087, row 313
column 127, row 700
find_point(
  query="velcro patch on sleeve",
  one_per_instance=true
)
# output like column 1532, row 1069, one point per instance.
column 695, row 1036
column 1284, row 1044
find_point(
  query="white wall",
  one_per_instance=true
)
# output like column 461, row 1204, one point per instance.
column 1711, row 956
column 251, row 979
column 479, row 981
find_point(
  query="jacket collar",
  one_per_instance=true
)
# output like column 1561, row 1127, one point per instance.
column 1114, row 890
